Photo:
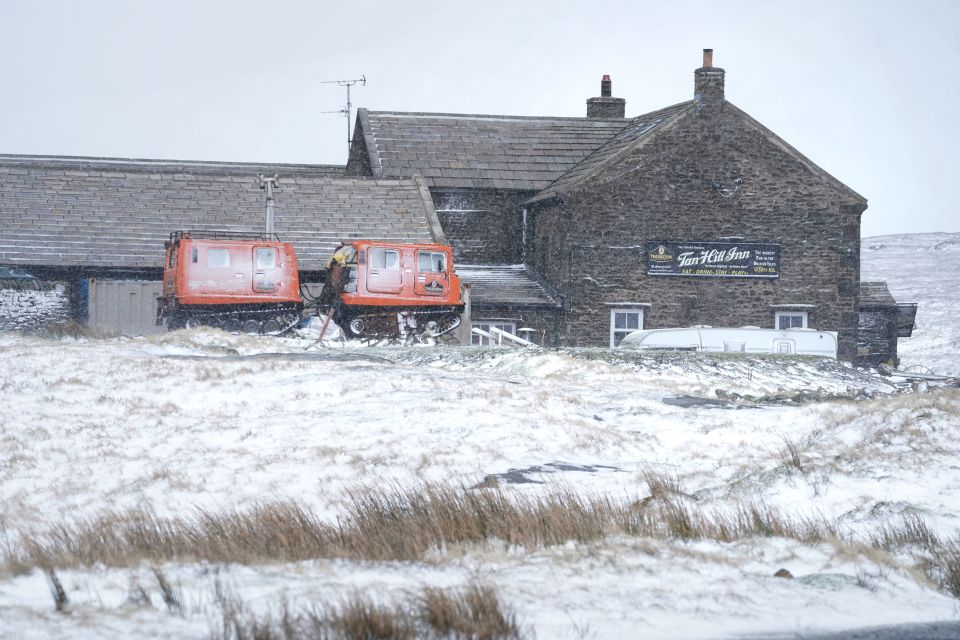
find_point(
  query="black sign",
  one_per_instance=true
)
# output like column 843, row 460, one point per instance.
column 713, row 259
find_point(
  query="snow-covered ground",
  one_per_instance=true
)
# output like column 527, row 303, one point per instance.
column 206, row 419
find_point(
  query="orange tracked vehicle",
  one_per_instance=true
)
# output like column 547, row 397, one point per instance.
column 235, row 281
column 249, row 282
column 379, row 290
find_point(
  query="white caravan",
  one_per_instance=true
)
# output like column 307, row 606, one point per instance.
column 807, row 342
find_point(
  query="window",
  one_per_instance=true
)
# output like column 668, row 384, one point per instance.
column 486, row 325
column 193, row 255
column 218, row 257
column 384, row 259
column 173, row 257
column 431, row 262
column 623, row 322
column 266, row 257
column 790, row 320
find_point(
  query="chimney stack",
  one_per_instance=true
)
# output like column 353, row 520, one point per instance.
column 708, row 84
column 606, row 106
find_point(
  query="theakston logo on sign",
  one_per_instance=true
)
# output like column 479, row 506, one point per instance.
column 660, row 254
column 713, row 259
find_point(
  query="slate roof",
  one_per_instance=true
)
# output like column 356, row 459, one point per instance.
column 629, row 136
column 497, row 285
column 876, row 294
column 480, row 151
column 96, row 212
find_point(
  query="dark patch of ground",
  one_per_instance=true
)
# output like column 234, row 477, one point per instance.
column 520, row 476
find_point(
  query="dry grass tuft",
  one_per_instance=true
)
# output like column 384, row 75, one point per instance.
column 945, row 569
column 661, row 484
column 789, row 455
column 472, row 613
column 412, row 524
column 361, row 618
column 397, row 524
column 911, row 529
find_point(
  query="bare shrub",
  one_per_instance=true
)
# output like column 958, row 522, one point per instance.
column 57, row 591
column 137, row 595
column 171, row 597
column 789, row 455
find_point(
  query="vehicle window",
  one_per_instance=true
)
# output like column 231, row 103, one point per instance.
column 218, row 257
column 384, row 259
column 193, row 255
column 431, row 262
column 266, row 257
column 173, row 257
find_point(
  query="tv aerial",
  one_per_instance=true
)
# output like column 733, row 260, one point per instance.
column 362, row 81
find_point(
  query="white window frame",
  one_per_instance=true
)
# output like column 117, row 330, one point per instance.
column 805, row 322
column 639, row 311
column 484, row 325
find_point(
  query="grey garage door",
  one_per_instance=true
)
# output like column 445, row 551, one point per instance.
column 125, row 307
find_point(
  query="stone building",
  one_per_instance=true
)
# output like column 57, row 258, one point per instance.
column 692, row 214
column 97, row 225
column 570, row 231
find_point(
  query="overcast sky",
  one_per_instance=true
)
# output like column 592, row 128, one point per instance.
column 867, row 90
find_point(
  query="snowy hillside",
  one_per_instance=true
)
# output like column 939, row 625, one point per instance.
column 696, row 480
column 922, row 268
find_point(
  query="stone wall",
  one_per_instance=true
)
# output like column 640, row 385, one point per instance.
column 29, row 305
column 483, row 226
column 715, row 174
column 877, row 337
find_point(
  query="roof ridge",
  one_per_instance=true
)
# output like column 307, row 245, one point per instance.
column 491, row 116
column 10, row 158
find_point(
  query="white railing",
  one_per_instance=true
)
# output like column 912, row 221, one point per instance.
column 498, row 336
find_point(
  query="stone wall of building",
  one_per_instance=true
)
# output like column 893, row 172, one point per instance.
column 716, row 174
column 483, row 226
column 31, row 305
column 877, row 337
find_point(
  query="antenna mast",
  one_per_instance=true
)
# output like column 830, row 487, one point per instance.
column 268, row 184
column 362, row 81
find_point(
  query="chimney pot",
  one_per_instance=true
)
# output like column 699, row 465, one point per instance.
column 708, row 57
column 606, row 87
